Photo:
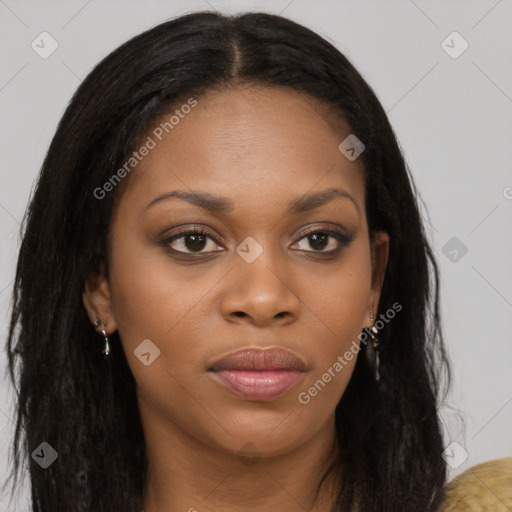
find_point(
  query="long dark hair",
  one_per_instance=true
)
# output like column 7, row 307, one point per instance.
column 85, row 408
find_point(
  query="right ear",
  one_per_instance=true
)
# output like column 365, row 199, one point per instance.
column 97, row 301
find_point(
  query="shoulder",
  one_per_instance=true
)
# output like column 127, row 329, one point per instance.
column 484, row 487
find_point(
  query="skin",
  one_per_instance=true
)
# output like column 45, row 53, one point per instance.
column 209, row 449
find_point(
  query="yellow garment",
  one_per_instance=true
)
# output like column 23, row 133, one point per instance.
column 486, row 487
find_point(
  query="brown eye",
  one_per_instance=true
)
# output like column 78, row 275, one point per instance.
column 319, row 240
column 190, row 241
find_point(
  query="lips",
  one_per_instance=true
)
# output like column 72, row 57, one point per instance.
column 259, row 374
column 260, row 359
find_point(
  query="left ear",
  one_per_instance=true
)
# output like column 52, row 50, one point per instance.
column 379, row 248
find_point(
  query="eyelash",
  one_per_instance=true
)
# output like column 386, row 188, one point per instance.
column 343, row 239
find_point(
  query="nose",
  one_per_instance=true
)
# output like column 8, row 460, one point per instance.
column 260, row 294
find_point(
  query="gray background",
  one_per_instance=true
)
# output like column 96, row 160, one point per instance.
column 452, row 117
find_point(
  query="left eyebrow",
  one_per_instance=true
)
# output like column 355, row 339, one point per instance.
column 315, row 200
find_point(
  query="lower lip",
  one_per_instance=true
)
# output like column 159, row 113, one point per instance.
column 259, row 385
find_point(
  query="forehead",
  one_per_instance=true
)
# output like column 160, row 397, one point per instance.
column 253, row 145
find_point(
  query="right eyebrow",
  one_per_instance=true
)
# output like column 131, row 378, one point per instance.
column 201, row 199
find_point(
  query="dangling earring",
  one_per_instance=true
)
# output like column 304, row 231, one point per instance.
column 106, row 347
column 373, row 331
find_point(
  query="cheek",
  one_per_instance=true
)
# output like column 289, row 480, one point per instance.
column 138, row 289
column 343, row 291
column 339, row 306
column 156, row 299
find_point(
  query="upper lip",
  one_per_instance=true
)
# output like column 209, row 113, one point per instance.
column 260, row 359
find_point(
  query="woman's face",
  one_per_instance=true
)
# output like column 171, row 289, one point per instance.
column 269, row 273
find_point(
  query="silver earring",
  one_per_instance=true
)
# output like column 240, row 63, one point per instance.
column 373, row 331
column 106, row 346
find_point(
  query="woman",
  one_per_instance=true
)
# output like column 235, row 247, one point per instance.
column 225, row 214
